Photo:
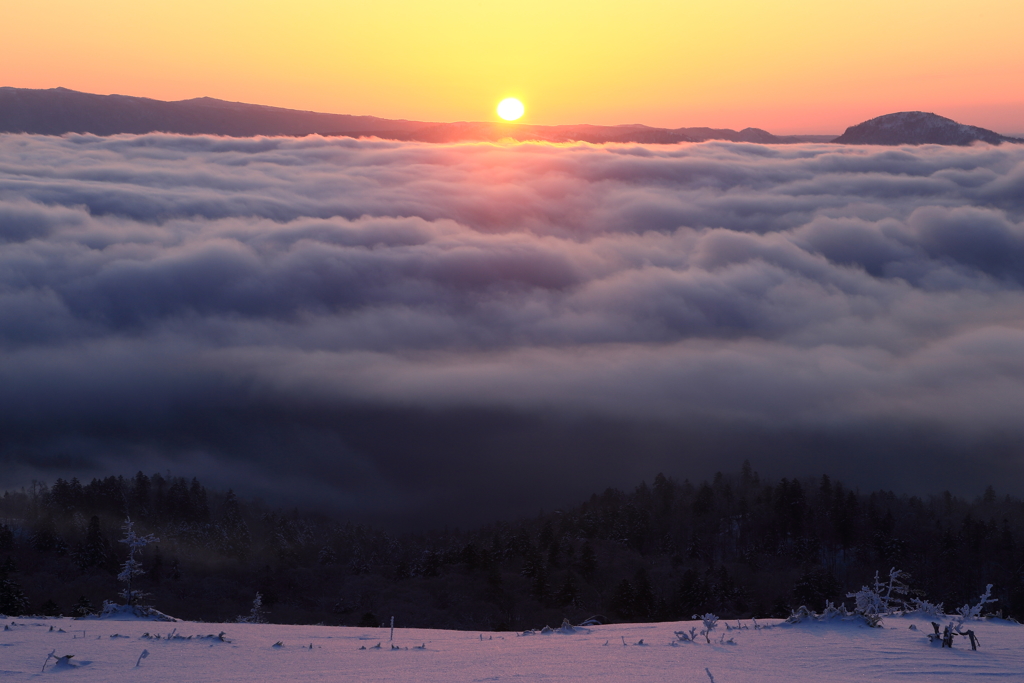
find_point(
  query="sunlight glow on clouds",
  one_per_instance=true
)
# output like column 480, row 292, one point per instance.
column 789, row 66
column 174, row 298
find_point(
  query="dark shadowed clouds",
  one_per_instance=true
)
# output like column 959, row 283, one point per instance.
column 411, row 331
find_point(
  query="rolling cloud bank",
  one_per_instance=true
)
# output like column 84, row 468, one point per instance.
column 448, row 333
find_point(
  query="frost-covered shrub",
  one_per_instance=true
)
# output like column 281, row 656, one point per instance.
column 926, row 608
column 801, row 613
column 967, row 612
column 884, row 597
column 833, row 612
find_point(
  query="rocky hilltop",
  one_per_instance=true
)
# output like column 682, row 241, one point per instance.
column 917, row 128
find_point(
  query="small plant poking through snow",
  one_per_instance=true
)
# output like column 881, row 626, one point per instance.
column 63, row 662
column 132, row 566
column 710, row 622
column 687, row 637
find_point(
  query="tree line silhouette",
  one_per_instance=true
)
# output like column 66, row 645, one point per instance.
column 738, row 546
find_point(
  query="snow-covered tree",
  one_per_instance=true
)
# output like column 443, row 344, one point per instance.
column 132, row 566
column 257, row 615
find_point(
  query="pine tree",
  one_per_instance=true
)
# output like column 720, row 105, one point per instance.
column 95, row 550
column 156, row 569
column 588, row 561
column 540, row 587
column 569, row 593
column 12, row 600
column 199, row 507
column 234, row 529
column 132, row 566
column 49, row 609
column 643, row 595
column 692, row 595
column 139, row 497
column 624, row 600
column 82, row 608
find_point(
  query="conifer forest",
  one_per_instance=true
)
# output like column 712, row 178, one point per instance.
column 738, row 546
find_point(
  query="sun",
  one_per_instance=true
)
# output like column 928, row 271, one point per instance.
column 510, row 109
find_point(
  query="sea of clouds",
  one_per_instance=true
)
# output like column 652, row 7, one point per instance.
column 416, row 329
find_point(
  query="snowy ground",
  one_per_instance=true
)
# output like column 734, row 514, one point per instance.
column 106, row 650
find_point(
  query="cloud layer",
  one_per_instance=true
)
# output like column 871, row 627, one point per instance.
column 413, row 329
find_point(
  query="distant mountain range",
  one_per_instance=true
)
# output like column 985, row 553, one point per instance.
column 59, row 110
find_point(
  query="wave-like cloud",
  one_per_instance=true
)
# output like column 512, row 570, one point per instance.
column 396, row 327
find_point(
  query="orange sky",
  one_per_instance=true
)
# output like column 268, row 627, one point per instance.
column 786, row 66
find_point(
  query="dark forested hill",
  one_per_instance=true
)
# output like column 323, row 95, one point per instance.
column 738, row 545
column 59, row 110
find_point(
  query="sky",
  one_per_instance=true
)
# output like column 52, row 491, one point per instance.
column 792, row 66
column 416, row 333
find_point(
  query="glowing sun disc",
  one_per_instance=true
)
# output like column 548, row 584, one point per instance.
column 510, row 109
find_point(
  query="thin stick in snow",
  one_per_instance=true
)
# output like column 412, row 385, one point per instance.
column 145, row 653
column 708, row 672
column 392, row 628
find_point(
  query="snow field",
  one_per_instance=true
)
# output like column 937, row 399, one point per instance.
column 107, row 650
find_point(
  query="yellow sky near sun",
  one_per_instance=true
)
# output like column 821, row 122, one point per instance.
column 787, row 66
